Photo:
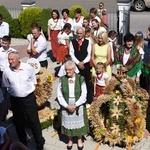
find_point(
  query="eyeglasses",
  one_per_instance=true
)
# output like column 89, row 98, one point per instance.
column 69, row 69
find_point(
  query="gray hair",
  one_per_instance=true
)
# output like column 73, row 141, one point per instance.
column 15, row 53
column 80, row 28
column 70, row 63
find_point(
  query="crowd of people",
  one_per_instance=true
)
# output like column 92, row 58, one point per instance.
column 89, row 56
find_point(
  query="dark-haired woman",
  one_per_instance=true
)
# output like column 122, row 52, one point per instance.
column 130, row 58
column 53, row 30
column 63, row 40
column 66, row 18
column 78, row 20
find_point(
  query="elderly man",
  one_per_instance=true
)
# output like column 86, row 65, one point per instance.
column 38, row 46
column 80, row 51
column 20, row 78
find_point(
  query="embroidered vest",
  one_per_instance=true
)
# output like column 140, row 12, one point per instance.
column 65, row 87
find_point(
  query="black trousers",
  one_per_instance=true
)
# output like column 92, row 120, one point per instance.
column 44, row 63
column 87, row 76
column 26, row 107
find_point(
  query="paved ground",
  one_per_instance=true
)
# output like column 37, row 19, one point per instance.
column 58, row 142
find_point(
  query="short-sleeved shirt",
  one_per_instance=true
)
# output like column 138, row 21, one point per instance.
column 97, row 18
column 63, row 22
column 100, row 30
column 78, row 24
column 20, row 83
column 41, row 48
column 101, row 82
column 62, row 37
column 4, row 57
column 54, row 25
column 4, row 29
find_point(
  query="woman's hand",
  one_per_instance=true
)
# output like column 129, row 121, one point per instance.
column 71, row 108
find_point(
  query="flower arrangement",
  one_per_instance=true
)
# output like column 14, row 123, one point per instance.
column 118, row 116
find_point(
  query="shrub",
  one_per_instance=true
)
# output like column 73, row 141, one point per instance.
column 14, row 27
column 26, row 17
column 74, row 7
column 45, row 15
column 6, row 15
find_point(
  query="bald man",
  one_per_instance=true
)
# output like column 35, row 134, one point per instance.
column 80, row 51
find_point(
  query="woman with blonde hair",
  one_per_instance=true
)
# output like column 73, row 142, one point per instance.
column 101, row 52
column 139, row 43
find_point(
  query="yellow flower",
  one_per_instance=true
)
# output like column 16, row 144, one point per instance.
column 137, row 120
column 117, row 92
column 131, row 138
column 50, row 78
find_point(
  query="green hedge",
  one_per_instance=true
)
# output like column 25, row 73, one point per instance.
column 14, row 28
column 6, row 15
column 26, row 17
column 44, row 16
column 74, row 7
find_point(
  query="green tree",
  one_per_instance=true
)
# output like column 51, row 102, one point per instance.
column 5, row 13
column 45, row 15
column 14, row 27
column 28, row 16
column 74, row 7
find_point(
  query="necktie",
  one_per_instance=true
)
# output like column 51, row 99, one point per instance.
column 79, row 43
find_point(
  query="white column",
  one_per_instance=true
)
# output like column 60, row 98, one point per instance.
column 122, row 7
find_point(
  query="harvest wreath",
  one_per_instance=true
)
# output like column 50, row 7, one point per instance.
column 118, row 116
column 42, row 92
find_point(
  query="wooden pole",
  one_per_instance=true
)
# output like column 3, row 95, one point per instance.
column 97, row 146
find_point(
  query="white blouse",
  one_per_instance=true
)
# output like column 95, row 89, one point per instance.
column 80, row 101
column 54, row 25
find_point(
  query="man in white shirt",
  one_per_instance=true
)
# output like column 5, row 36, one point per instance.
column 4, row 51
column 38, row 47
column 20, row 80
column 80, row 52
column 4, row 28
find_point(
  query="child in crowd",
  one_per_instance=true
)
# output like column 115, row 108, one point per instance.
column 62, row 70
column 112, row 39
column 139, row 43
column 63, row 40
column 88, row 35
column 86, row 22
column 7, row 144
column 100, row 79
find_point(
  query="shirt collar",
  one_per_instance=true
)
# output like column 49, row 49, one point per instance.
column 20, row 68
column 7, row 51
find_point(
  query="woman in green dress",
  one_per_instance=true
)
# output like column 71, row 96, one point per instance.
column 71, row 95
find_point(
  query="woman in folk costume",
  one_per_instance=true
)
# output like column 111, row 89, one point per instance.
column 71, row 95
column 54, row 27
column 129, row 57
